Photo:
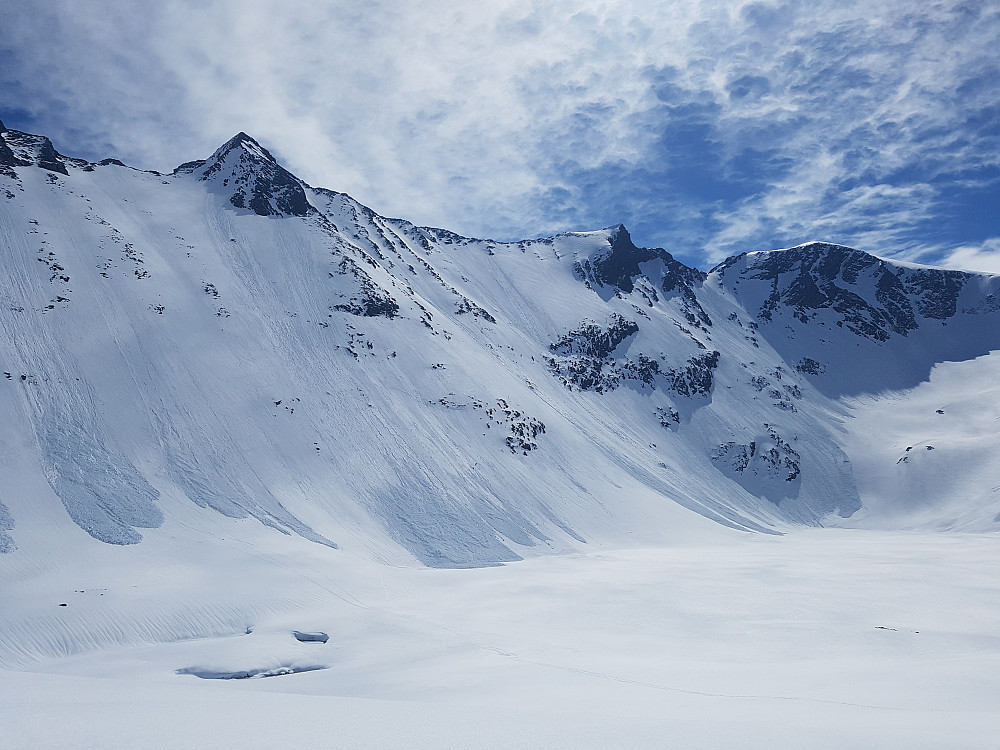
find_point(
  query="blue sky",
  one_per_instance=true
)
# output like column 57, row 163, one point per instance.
column 707, row 128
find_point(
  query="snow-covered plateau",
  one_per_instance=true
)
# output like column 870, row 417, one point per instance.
column 275, row 469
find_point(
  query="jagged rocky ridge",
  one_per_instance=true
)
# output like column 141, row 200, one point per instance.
column 228, row 337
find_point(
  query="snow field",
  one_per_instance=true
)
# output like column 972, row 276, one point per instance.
column 828, row 638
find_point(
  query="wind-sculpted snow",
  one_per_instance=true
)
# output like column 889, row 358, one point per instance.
column 102, row 490
column 209, row 481
column 6, row 524
column 302, row 637
column 828, row 638
column 99, row 486
column 446, row 531
column 229, row 343
column 301, row 408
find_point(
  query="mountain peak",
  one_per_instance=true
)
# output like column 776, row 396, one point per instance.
column 25, row 149
column 253, row 149
column 244, row 147
column 616, row 267
column 816, row 251
column 875, row 298
column 252, row 178
column 820, row 246
column 620, row 240
column 813, row 254
column 616, row 231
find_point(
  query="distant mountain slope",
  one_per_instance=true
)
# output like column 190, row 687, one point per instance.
column 903, row 317
column 229, row 338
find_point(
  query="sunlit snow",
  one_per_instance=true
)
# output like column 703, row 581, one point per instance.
column 276, row 470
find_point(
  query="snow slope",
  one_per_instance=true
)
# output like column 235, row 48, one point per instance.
column 926, row 457
column 229, row 337
column 234, row 407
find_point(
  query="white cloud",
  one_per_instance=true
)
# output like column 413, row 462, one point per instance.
column 983, row 257
column 475, row 117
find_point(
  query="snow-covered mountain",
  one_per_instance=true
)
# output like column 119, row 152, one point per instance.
column 241, row 417
column 227, row 341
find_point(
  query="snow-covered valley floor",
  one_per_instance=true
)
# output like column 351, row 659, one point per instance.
column 826, row 638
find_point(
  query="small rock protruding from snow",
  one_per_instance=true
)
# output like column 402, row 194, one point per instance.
column 317, row 637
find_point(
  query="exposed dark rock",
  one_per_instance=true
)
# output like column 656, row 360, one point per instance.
column 190, row 166
column 256, row 181
column 766, row 466
column 370, row 300
column 669, row 417
column 446, row 237
column 586, row 373
column 48, row 158
column 247, row 674
column 696, row 378
column 821, row 276
column 318, row 637
column 618, row 267
column 810, row 366
column 8, row 159
column 523, row 431
column 640, row 368
column 6, row 520
column 585, row 354
column 936, row 290
column 468, row 306
column 591, row 340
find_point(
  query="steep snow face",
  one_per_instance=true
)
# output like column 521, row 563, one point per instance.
column 229, row 340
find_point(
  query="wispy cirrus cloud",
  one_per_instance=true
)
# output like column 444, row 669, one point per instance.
column 708, row 127
column 982, row 257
